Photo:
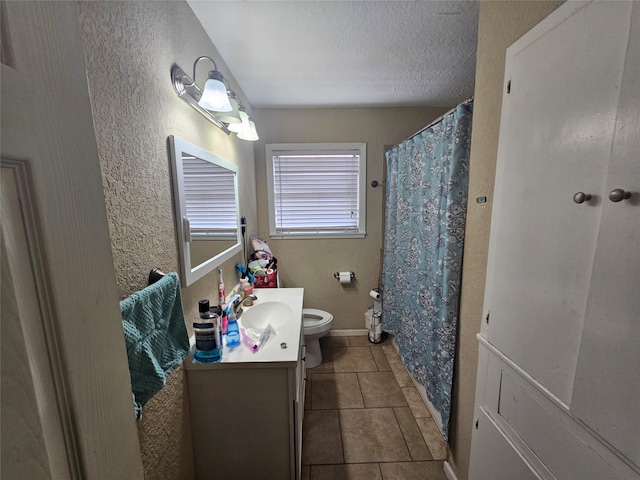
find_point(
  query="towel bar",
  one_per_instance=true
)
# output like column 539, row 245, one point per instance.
column 155, row 275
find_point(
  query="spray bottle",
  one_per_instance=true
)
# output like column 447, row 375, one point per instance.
column 233, row 330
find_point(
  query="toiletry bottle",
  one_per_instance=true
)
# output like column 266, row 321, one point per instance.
column 248, row 298
column 221, row 292
column 233, row 331
column 217, row 311
column 224, row 319
column 207, row 336
column 243, row 287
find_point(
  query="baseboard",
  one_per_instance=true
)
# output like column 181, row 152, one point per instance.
column 448, row 471
column 357, row 332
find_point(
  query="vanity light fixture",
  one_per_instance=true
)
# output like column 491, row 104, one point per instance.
column 217, row 103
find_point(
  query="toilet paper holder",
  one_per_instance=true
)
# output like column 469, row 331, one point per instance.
column 337, row 275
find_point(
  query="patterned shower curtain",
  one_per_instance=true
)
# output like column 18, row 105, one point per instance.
column 427, row 184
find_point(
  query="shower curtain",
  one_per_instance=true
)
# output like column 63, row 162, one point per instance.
column 427, row 183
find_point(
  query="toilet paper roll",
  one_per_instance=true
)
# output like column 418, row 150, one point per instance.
column 368, row 316
column 374, row 294
column 344, row 277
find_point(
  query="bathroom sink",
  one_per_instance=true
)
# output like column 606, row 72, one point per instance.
column 257, row 317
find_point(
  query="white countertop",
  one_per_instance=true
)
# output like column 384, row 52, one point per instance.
column 271, row 353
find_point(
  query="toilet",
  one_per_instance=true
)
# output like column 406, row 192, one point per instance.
column 317, row 323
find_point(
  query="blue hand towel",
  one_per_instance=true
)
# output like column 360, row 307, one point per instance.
column 155, row 334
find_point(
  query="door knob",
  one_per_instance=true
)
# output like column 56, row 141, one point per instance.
column 618, row 195
column 581, row 197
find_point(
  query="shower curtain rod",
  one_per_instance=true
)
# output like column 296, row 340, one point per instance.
column 468, row 100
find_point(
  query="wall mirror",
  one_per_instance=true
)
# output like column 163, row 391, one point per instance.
column 207, row 211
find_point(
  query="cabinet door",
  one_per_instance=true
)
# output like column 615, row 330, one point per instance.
column 493, row 457
column 555, row 140
column 607, row 383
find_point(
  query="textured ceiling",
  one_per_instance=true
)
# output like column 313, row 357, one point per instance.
column 346, row 53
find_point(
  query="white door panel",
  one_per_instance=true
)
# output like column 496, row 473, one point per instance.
column 66, row 409
column 555, row 140
column 607, row 383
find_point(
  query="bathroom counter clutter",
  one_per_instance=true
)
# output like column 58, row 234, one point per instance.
column 280, row 307
column 247, row 411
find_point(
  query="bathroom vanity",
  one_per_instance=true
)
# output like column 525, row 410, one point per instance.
column 247, row 410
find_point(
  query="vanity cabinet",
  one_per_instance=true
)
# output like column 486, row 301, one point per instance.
column 557, row 373
column 246, row 416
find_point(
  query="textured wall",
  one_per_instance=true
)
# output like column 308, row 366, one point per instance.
column 310, row 263
column 501, row 23
column 130, row 48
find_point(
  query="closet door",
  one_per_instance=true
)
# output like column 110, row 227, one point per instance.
column 607, row 383
column 557, row 126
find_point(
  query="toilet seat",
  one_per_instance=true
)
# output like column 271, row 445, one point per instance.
column 316, row 321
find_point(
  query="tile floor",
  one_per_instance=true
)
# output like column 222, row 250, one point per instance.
column 364, row 418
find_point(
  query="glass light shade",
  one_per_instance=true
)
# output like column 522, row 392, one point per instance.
column 239, row 127
column 214, row 97
column 234, row 115
column 250, row 134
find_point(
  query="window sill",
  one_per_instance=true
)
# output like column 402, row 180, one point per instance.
column 317, row 236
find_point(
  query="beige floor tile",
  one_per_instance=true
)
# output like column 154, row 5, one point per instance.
column 397, row 367
column 380, row 389
column 390, row 352
column 330, row 341
column 354, row 471
column 402, row 376
column 433, row 438
column 412, row 436
column 321, row 440
column 335, row 390
column 372, row 435
column 416, row 404
column 327, row 362
column 359, row 341
column 353, row 359
column 381, row 359
column 412, row 471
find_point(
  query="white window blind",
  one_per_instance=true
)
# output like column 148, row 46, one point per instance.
column 209, row 198
column 317, row 192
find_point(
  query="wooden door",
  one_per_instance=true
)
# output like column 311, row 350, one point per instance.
column 558, row 119
column 67, row 410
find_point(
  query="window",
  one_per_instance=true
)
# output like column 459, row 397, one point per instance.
column 316, row 190
column 210, row 202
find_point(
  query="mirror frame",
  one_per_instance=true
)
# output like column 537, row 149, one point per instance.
column 189, row 275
